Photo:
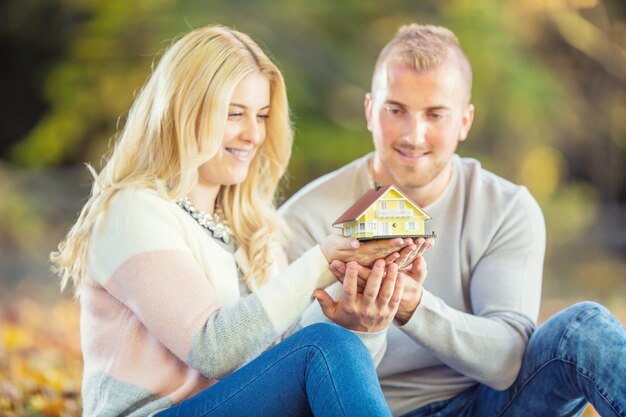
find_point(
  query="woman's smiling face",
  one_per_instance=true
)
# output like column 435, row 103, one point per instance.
column 244, row 133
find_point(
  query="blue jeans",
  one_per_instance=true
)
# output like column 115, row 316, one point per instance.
column 322, row 370
column 576, row 357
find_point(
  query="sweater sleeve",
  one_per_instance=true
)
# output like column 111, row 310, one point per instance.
column 234, row 335
column 505, row 290
column 141, row 254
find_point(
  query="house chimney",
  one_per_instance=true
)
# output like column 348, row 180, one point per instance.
column 377, row 185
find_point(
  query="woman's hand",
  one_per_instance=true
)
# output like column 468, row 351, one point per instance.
column 405, row 260
column 345, row 249
column 373, row 309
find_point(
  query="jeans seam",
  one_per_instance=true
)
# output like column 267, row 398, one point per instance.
column 574, row 325
column 318, row 384
column 566, row 332
column 330, row 377
column 577, row 322
column 521, row 388
column 601, row 392
column 267, row 369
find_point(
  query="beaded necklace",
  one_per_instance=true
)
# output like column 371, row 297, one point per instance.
column 213, row 223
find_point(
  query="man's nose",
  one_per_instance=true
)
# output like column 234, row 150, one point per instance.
column 417, row 134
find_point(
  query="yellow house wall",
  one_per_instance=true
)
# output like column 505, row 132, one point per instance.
column 400, row 221
column 399, row 230
column 368, row 216
column 353, row 230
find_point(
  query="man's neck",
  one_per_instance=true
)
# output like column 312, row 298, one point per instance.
column 423, row 196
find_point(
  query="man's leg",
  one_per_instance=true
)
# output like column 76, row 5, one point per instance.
column 579, row 355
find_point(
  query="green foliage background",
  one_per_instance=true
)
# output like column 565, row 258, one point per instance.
column 550, row 89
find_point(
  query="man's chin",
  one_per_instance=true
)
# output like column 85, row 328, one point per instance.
column 413, row 185
column 411, row 178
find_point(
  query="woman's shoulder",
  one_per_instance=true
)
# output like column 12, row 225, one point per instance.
column 137, row 199
column 138, row 214
column 136, row 221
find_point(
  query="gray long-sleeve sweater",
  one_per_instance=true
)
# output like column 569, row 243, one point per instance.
column 483, row 289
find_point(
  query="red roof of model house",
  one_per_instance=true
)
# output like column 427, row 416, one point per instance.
column 370, row 197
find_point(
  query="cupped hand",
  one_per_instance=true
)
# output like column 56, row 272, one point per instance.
column 404, row 259
column 413, row 250
column 413, row 280
column 373, row 309
column 413, row 290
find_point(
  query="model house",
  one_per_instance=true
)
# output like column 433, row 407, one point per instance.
column 383, row 212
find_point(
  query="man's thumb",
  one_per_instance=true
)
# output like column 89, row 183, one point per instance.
column 326, row 302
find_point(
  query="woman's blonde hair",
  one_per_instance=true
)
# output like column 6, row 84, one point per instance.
column 175, row 125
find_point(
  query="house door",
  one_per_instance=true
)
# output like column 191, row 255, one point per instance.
column 385, row 228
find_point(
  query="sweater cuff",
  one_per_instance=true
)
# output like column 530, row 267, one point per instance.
column 375, row 342
column 412, row 325
column 286, row 296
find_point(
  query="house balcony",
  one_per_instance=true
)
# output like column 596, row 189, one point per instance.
column 385, row 214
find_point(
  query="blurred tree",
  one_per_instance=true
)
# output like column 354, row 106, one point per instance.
column 550, row 90
column 33, row 38
column 107, row 60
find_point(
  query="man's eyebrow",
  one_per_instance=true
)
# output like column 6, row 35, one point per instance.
column 395, row 103
column 241, row 106
column 439, row 107
column 431, row 108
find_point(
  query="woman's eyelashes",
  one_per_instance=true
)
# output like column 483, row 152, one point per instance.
column 239, row 115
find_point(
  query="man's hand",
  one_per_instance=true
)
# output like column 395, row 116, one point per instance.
column 412, row 296
column 372, row 310
column 412, row 251
column 414, row 278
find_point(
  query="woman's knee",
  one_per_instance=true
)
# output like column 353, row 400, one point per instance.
column 329, row 332
column 333, row 338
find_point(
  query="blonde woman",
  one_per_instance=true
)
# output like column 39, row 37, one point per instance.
column 176, row 263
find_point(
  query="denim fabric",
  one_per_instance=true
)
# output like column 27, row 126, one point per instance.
column 577, row 356
column 322, row 370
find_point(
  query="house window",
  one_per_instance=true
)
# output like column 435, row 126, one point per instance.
column 361, row 227
column 383, row 205
column 385, row 228
column 400, row 205
column 410, row 226
column 347, row 231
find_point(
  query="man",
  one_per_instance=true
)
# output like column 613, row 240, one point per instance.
column 461, row 343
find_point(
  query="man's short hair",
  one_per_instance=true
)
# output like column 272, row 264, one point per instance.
column 423, row 47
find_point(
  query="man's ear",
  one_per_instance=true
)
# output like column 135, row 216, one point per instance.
column 468, row 119
column 367, row 104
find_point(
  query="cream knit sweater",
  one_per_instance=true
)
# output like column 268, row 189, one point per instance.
column 161, row 313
